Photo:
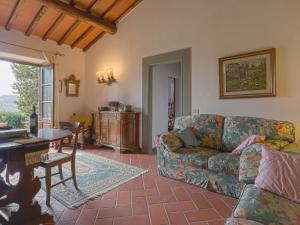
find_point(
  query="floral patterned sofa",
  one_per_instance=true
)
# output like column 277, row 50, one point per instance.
column 212, row 165
column 257, row 207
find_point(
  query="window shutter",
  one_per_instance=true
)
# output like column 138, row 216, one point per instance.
column 46, row 97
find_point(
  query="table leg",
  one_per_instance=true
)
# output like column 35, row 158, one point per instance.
column 22, row 193
column 3, row 185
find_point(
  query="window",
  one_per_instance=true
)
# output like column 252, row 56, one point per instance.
column 18, row 93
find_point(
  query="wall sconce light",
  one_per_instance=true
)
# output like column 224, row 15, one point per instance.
column 106, row 77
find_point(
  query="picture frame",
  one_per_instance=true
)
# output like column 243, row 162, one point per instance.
column 248, row 75
column 72, row 86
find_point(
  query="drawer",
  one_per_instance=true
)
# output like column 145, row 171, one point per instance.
column 129, row 116
column 109, row 116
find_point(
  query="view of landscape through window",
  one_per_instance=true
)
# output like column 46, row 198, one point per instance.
column 18, row 93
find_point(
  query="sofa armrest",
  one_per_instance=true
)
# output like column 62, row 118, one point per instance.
column 250, row 160
column 240, row 221
column 170, row 141
column 249, row 163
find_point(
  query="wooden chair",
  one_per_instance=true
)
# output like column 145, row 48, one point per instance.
column 87, row 127
column 59, row 158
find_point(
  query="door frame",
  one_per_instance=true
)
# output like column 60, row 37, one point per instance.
column 183, row 57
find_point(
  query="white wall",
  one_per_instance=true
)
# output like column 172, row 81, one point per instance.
column 160, row 75
column 72, row 63
column 213, row 29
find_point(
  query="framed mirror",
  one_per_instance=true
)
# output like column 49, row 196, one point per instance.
column 72, row 86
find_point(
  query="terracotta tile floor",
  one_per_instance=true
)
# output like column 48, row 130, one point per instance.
column 147, row 200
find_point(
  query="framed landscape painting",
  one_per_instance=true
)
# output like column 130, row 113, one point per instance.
column 248, row 75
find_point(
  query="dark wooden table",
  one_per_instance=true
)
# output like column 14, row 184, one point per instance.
column 12, row 154
column 54, row 134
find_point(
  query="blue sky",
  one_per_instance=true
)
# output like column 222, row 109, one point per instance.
column 6, row 78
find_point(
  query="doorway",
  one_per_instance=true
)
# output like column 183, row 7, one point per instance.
column 151, row 64
column 24, row 86
column 166, row 97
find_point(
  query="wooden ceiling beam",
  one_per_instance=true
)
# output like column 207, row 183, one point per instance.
column 68, row 32
column 82, row 36
column 72, row 2
column 99, row 36
column 128, row 10
column 12, row 14
column 81, row 15
column 93, row 41
column 103, row 14
column 91, row 5
column 35, row 20
column 53, row 26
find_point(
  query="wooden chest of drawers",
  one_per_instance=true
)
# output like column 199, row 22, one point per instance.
column 119, row 130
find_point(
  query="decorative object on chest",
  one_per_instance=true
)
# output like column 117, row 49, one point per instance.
column 119, row 130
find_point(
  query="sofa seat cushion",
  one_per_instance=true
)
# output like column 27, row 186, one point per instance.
column 266, row 208
column 196, row 157
column 222, row 183
column 225, row 162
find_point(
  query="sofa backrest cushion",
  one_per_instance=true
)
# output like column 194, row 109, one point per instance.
column 183, row 122
column 239, row 128
column 208, row 128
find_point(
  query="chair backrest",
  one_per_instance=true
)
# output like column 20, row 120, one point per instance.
column 75, row 128
column 86, row 120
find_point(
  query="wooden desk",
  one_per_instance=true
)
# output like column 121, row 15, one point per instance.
column 14, row 153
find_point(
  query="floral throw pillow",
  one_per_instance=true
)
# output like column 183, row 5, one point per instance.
column 171, row 142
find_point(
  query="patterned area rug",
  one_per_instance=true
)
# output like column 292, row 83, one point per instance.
column 95, row 176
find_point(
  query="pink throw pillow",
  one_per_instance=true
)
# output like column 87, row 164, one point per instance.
column 253, row 139
column 279, row 173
